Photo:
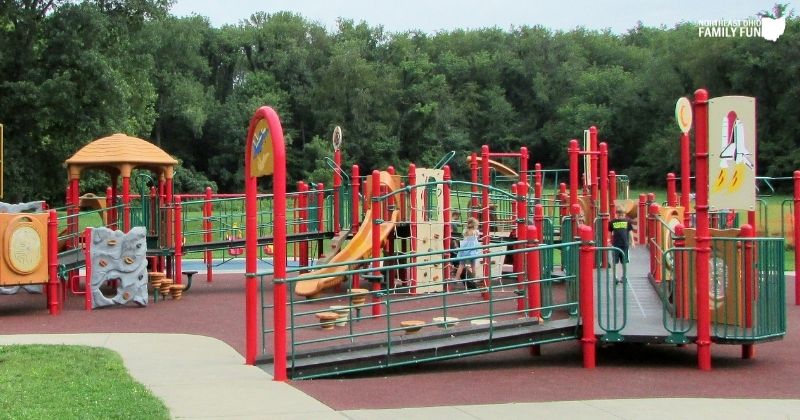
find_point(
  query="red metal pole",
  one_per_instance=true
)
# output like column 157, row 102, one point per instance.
column 178, row 240
column 320, row 208
column 612, row 190
column 486, row 216
column 573, row 151
column 53, row 302
column 448, row 229
column 251, row 243
column 686, row 183
column 109, row 203
column 126, row 202
column 302, row 198
column 562, row 198
column 796, row 177
column 746, row 231
column 593, row 159
column 533, row 271
column 586, row 285
column 653, row 241
column 207, row 235
column 538, row 220
column 533, row 287
column 523, row 168
column 87, row 299
column 354, row 187
column 412, row 182
column 703, row 239
column 473, row 168
column 604, row 210
column 520, row 212
column 672, row 195
column 680, row 298
column 113, row 202
column 537, row 177
column 337, row 186
column 641, row 227
column 376, row 239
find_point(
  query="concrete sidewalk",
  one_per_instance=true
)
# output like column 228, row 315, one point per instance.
column 201, row 377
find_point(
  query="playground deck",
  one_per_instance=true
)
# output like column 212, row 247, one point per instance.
column 643, row 305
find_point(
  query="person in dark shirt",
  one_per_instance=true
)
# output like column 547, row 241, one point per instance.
column 621, row 228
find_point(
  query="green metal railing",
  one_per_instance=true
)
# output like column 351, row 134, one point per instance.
column 676, row 293
column 748, row 304
column 397, row 304
column 611, row 294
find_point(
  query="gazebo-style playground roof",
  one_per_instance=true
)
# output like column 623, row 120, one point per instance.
column 120, row 154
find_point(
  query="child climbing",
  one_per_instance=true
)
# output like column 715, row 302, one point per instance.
column 469, row 248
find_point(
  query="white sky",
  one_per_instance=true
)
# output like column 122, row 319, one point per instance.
column 433, row 15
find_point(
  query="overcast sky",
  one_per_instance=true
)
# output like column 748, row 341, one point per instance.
column 434, row 15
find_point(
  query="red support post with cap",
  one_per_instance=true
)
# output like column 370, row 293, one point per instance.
column 412, row 182
column 376, row 240
column 604, row 209
column 53, row 294
column 672, row 195
column 593, row 157
column 87, row 298
column 523, row 168
column 355, row 186
column 703, row 238
column 178, row 240
column 448, row 228
column 208, row 255
column 486, row 217
column 573, row 152
column 337, row 186
column 520, row 211
column 586, row 285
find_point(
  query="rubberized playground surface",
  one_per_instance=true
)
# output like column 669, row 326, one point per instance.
column 623, row 371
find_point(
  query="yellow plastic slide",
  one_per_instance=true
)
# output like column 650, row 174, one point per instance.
column 358, row 248
column 499, row 167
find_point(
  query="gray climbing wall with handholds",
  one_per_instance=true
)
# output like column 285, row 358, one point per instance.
column 122, row 257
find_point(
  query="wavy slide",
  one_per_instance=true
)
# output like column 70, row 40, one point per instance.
column 358, row 248
column 499, row 167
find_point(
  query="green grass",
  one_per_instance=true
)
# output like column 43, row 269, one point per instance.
column 71, row 382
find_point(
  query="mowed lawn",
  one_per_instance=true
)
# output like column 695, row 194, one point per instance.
column 71, row 382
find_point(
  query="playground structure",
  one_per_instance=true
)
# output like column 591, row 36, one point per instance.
column 543, row 275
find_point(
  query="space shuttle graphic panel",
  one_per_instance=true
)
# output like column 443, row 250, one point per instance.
column 732, row 153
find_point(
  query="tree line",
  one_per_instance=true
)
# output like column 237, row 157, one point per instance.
column 74, row 71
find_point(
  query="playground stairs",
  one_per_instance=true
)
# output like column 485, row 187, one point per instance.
column 408, row 349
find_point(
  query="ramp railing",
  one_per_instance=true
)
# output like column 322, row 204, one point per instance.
column 393, row 326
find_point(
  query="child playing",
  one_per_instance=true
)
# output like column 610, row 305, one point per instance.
column 469, row 248
column 621, row 228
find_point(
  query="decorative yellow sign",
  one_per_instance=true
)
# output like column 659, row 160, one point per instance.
column 261, row 156
column 732, row 152
column 683, row 114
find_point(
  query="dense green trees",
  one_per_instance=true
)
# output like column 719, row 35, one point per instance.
column 73, row 71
